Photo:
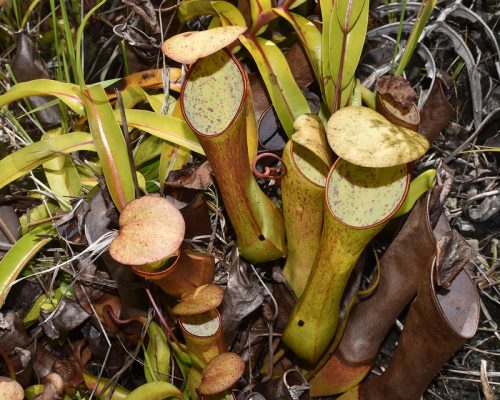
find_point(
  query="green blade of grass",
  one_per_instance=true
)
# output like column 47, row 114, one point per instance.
column 68, row 36
column 79, row 76
column 24, row 160
column 20, row 254
column 110, row 145
column 417, row 30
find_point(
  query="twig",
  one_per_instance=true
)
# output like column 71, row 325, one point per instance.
column 484, row 382
column 163, row 322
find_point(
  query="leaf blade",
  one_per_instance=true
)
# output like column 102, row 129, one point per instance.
column 20, row 254
column 68, row 93
column 286, row 96
column 24, row 160
column 110, row 145
column 309, row 36
column 166, row 127
column 349, row 21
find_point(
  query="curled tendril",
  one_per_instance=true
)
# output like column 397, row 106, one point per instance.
column 269, row 172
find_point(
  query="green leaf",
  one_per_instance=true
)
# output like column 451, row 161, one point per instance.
column 348, row 25
column 327, row 81
column 43, row 302
column 286, row 96
column 119, row 392
column 183, row 360
column 166, row 127
column 24, row 160
column 37, row 214
column 147, row 149
column 68, row 93
column 155, row 391
column 309, row 36
column 20, row 254
column 421, row 184
column 110, row 145
column 228, row 13
column 62, row 176
column 31, row 391
column 194, row 8
column 132, row 95
column 260, row 10
column 171, row 158
column 158, row 352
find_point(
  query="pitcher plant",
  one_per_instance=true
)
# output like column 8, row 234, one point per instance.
column 213, row 100
column 307, row 160
column 360, row 201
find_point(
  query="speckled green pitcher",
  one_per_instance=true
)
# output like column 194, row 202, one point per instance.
column 213, row 101
column 360, row 201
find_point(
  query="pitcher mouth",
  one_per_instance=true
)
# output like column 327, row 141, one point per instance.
column 239, row 110
column 460, row 311
column 215, row 316
column 162, row 272
column 332, row 191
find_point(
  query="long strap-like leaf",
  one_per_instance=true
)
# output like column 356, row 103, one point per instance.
column 110, row 145
column 288, row 100
column 346, row 37
column 20, row 254
column 166, row 127
column 68, row 93
column 327, row 81
column 309, row 36
column 155, row 391
column 22, row 161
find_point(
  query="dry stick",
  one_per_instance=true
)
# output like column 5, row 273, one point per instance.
column 270, row 324
column 7, row 231
column 472, row 138
column 163, row 322
column 171, row 8
column 8, row 363
column 490, row 321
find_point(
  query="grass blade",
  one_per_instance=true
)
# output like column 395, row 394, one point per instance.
column 417, row 30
